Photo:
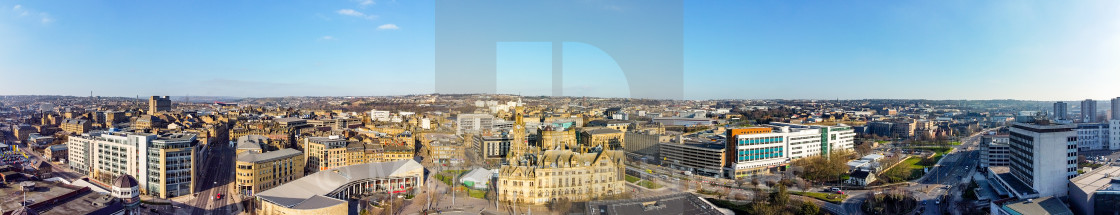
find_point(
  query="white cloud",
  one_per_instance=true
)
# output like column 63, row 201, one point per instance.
column 326, row 38
column 354, row 13
column 23, row 12
column 388, row 27
column 364, row 3
column 351, row 12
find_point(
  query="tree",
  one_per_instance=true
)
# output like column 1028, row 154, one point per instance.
column 824, row 168
column 780, row 196
column 808, row 208
column 863, row 149
column 801, row 183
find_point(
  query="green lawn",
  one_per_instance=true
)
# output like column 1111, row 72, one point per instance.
column 828, row 197
column 941, row 150
column 913, row 162
column 632, row 179
column 649, row 184
column 476, row 193
column 447, row 175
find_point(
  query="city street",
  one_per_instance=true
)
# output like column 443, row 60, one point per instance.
column 215, row 177
column 948, row 177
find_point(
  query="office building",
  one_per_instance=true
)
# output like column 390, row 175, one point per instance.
column 749, row 154
column 701, row 158
column 165, row 163
column 322, row 153
column 642, row 143
column 1114, row 134
column 758, row 149
column 880, row 128
column 1093, row 136
column 76, row 126
column 1061, row 111
column 1096, row 192
column 1088, row 111
column 446, row 151
column 994, row 151
column 1114, row 111
column 492, row 148
column 157, row 104
column 474, row 123
column 1043, row 159
column 379, row 115
column 256, row 171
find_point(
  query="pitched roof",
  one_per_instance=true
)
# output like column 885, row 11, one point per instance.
column 254, row 157
column 251, row 142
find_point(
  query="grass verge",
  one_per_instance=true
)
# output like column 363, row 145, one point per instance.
column 828, row 197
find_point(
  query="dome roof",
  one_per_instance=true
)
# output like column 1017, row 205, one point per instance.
column 125, row 181
column 24, row 211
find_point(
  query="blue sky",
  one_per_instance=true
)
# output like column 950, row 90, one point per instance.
column 1036, row 50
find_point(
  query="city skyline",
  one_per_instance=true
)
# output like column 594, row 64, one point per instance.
column 899, row 50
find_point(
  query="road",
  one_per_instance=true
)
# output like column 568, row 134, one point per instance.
column 215, row 177
column 953, row 169
column 947, row 177
column 58, row 170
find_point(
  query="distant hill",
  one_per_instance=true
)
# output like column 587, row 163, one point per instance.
column 205, row 99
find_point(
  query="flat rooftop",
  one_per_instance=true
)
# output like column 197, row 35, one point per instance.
column 1017, row 186
column 1039, row 206
column 1098, row 179
column 678, row 203
column 84, row 203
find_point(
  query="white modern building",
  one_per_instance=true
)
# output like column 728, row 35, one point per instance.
column 840, row 137
column 1043, row 157
column 1093, row 136
column 1114, row 134
column 752, row 153
column 472, row 123
column 994, row 151
column 804, row 142
column 164, row 163
column 379, row 115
